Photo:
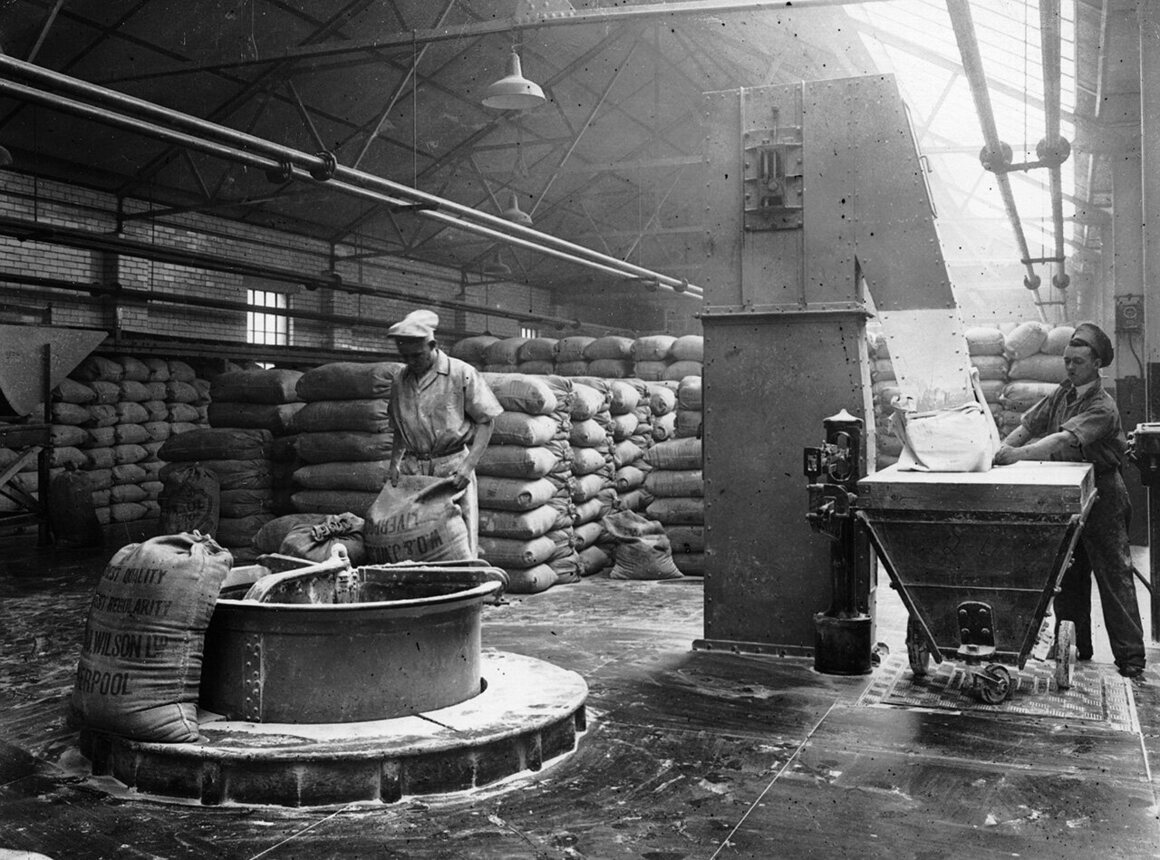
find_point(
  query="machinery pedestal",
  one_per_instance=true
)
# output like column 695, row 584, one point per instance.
column 843, row 646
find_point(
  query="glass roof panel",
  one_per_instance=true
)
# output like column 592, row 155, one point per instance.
column 914, row 40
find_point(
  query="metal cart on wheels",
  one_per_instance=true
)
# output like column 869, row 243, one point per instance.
column 976, row 558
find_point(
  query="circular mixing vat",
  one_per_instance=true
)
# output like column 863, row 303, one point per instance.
column 406, row 641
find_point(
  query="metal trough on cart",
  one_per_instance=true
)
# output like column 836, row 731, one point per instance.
column 976, row 558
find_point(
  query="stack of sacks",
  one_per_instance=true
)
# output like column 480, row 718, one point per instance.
column 159, row 425
column 503, row 356
column 884, row 390
column 631, row 429
column 610, row 357
column 344, row 436
column 70, row 422
column 138, row 435
column 642, row 437
column 592, row 470
column 537, row 356
column 1035, row 352
column 570, row 491
column 110, row 418
column 650, row 356
column 68, row 415
column 186, row 398
column 570, row 360
column 686, row 357
column 525, row 487
column 123, row 421
column 662, row 403
column 676, row 482
column 259, row 400
column 688, row 421
column 986, row 349
column 618, row 416
column 240, row 460
column 473, row 349
column 186, row 403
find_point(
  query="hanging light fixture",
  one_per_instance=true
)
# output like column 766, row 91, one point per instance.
column 6, row 159
column 513, row 91
column 515, row 213
column 494, row 266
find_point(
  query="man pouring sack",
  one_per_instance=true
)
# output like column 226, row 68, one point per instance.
column 1080, row 422
column 440, row 411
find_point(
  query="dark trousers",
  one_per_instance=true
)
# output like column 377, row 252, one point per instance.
column 1104, row 550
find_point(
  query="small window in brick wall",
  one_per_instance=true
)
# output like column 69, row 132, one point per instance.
column 529, row 331
column 272, row 329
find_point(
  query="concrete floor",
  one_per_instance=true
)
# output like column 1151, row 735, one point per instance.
column 687, row 755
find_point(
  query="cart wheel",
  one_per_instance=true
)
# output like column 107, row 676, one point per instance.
column 993, row 684
column 1064, row 654
column 917, row 650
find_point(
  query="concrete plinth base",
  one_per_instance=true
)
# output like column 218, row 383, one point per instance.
column 529, row 713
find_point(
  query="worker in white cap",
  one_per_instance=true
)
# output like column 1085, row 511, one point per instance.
column 441, row 411
column 1080, row 422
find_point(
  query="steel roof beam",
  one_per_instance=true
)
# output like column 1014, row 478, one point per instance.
column 506, row 26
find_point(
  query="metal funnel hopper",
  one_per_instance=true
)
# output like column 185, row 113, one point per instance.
column 23, row 367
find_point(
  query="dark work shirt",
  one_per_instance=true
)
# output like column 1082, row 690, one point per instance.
column 1092, row 420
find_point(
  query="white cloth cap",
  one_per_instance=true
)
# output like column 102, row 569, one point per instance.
column 415, row 324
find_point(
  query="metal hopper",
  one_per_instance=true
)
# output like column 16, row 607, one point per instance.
column 976, row 558
column 33, row 360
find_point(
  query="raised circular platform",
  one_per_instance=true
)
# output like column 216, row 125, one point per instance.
column 529, row 713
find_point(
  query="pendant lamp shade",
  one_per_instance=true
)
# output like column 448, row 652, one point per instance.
column 494, row 266
column 515, row 213
column 513, row 91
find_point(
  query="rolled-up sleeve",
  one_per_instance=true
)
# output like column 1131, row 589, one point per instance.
column 479, row 402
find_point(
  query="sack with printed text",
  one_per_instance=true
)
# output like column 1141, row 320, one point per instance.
column 140, row 663
column 419, row 520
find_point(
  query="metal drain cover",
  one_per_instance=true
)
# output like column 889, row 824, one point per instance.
column 1098, row 694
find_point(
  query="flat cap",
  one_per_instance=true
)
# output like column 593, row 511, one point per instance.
column 415, row 324
column 1092, row 335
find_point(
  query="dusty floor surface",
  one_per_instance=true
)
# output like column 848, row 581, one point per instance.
column 688, row 754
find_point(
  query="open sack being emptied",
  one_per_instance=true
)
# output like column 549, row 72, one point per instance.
column 961, row 439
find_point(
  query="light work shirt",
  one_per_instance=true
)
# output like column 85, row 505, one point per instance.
column 435, row 415
column 1092, row 419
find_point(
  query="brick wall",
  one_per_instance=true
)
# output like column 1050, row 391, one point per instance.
column 78, row 208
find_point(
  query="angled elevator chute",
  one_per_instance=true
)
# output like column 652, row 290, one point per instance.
column 810, row 188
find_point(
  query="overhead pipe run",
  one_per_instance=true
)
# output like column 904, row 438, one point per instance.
column 284, row 163
column 996, row 155
column 1053, row 150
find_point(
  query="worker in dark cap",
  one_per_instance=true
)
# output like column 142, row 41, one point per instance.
column 1080, row 422
column 441, row 411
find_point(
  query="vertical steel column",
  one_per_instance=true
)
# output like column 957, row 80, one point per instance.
column 1127, row 279
column 44, row 535
column 1148, row 16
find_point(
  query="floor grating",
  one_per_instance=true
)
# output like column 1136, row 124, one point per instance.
column 1098, row 693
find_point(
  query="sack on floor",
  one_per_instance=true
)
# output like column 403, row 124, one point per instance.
column 640, row 547
column 140, row 663
column 315, row 541
column 190, row 500
column 71, row 512
column 270, row 536
column 419, row 520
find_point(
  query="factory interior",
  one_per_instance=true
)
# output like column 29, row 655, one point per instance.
column 759, row 288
